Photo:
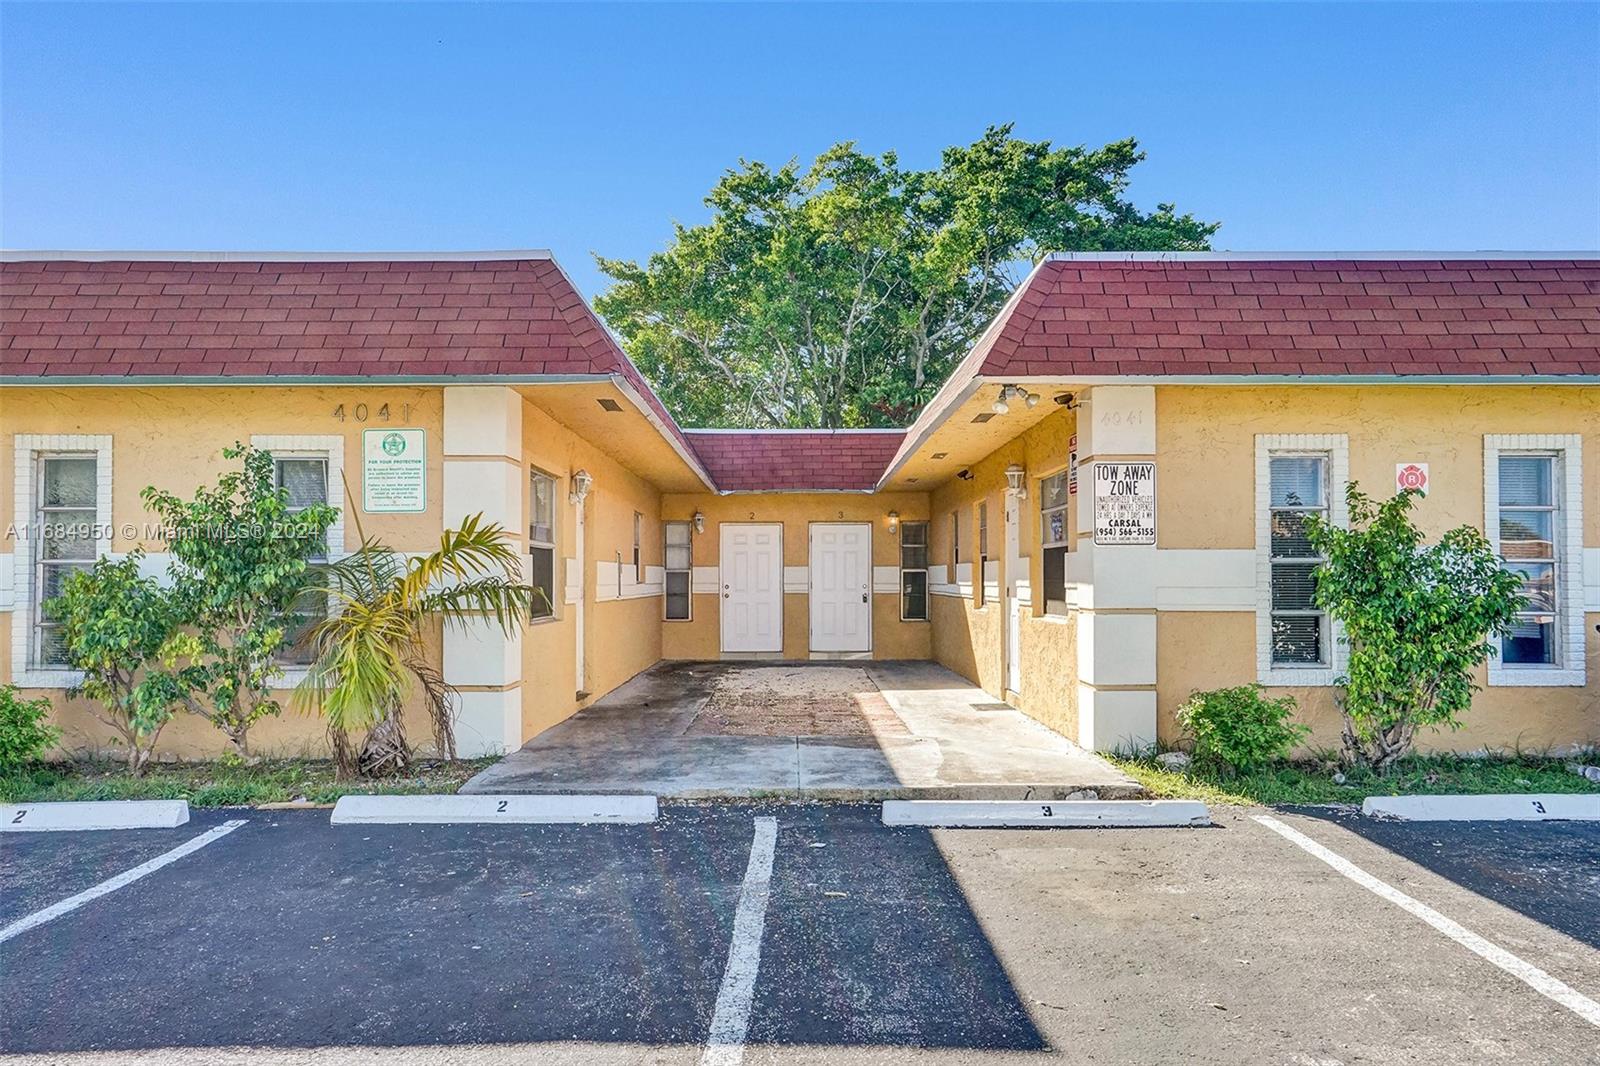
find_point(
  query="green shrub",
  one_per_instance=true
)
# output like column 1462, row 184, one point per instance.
column 24, row 736
column 1241, row 728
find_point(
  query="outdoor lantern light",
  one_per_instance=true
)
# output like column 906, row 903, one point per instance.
column 699, row 522
column 580, row 486
column 894, row 521
column 1016, row 481
column 1000, row 406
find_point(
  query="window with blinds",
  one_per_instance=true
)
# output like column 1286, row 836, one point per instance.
column 542, row 543
column 304, row 482
column 680, row 571
column 1530, row 518
column 1053, row 541
column 914, row 571
column 1300, row 632
column 65, row 516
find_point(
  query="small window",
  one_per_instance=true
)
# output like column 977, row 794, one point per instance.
column 914, row 571
column 304, row 482
column 955, row 542
column 542, row 543
column 983, row 553
column 65, row 543
column 1053, row 541
column 680, row 570
column 1530, row 523
column 638, row 548
column 1300, row 632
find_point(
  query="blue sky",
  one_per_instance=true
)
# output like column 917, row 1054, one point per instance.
column 590, row 128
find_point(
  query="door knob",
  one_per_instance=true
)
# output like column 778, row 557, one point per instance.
column 863, row 597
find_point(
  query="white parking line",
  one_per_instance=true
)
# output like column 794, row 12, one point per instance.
column 1527, row 973
column 127, row 877
column 731, row 1019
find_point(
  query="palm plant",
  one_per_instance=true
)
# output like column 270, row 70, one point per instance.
column 369, row 652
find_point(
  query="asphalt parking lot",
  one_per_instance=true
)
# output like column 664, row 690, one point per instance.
column 291, row 940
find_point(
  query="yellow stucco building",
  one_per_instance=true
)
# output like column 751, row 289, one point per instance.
column 1096, row 515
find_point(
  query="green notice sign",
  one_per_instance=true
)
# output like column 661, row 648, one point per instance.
column 394, row 471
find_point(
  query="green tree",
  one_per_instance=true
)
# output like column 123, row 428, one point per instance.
column 1418, row 619
column 843, row 294
column 241, row 562
column 371, row 649
column 118, row 628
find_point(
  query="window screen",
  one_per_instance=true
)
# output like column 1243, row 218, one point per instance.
column 304, row 483
column 1299, row 630
column 65, row 543
column 680, row 570
column 1530, row 517
column 542, row 543
column 1053, row 541
column 914, row 571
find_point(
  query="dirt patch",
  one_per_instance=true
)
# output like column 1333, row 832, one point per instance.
column 795, row 702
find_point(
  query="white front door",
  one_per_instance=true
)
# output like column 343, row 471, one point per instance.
column 841, row 586
column 752, row 587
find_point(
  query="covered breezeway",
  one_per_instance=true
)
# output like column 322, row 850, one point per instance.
column 842, row 731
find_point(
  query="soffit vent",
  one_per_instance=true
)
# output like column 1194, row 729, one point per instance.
column 609, row 405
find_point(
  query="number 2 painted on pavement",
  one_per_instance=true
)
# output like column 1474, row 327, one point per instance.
column 500, row 808
column 20, row 815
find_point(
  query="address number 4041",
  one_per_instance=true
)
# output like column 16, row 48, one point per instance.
column 361, row 412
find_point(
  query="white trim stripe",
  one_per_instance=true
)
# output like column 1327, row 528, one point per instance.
column 127, row 877
column 1528, row 974
column 730, row 1021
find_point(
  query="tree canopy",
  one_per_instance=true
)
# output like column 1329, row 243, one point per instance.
column 843, row 294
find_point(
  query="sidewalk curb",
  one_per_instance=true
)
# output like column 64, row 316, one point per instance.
column 1064, row 814
column 80, row 815
column 1511, row 807
column 494, row 810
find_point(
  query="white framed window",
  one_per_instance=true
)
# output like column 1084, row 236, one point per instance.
column 542, row 542
column 1053, row 497
column 1297, row 476
column 983, row 554
column 303, row 477
column 638, row 548
column 63, row 510
column 913, row 571
column 1533, row 517
column 678, row 538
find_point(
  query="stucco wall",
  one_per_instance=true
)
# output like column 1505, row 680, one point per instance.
column 700, row 637
column 173, row 438
column 622, row 636
column 969, row 639
column 1206, row 486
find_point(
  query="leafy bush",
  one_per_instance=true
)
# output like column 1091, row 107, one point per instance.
column 237, row 591
column 1418, row 619
column 1240, row 727
column 24, row 736
column 117, row 625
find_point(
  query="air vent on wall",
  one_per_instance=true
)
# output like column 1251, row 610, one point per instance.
column 983, row 417
column 610, row 405
column 940, row 455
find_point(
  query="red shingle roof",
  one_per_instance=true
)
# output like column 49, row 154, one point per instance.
column 508, row 314
column 795, row 460
column 1213, row 315
column 316, row 317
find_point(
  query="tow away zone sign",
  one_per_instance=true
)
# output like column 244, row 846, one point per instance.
column 1124, row 503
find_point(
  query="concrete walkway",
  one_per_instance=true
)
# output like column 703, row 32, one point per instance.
column 836, row 731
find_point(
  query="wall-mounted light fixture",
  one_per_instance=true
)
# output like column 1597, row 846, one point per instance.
column 580, row 487
column 699, row 522
column 1017, row 481
column 894, row 521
